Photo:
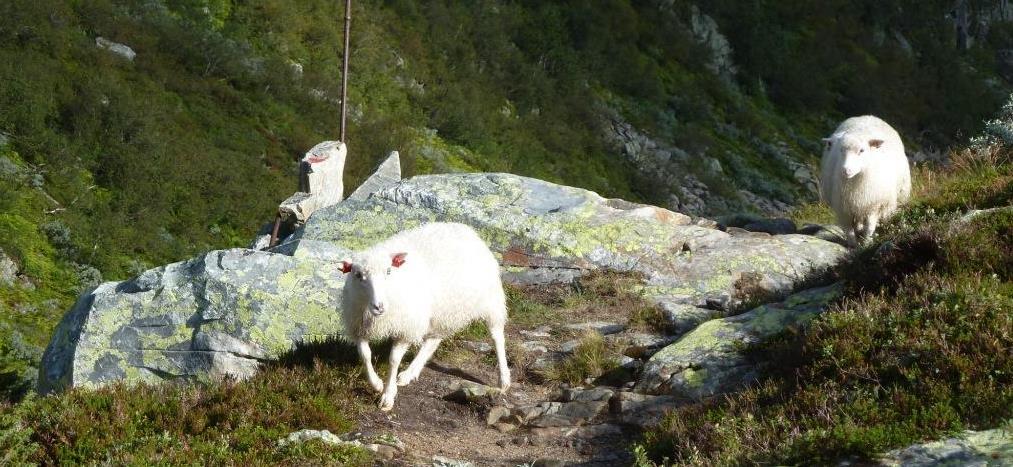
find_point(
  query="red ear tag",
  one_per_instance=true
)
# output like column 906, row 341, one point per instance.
column 398, row 259
column 346, row 267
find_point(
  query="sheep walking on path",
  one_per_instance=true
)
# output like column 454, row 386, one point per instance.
column 420, row 287
column 864, row 175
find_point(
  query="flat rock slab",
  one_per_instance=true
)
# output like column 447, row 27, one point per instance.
column 709, row 360
column 600, row 327
column 971, row 448
column 571, row 414
column 218, row 314
column 642, row 410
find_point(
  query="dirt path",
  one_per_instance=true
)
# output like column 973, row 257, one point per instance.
column 431, row 426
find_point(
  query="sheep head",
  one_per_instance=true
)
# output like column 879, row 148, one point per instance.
column 855, row 152
column 371, row 277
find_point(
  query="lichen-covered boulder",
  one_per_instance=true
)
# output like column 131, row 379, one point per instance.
column 970, row 448
column 540, row 231
column 709, row 360
column 218, row 314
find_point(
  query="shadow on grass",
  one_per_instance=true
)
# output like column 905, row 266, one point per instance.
column 332, row 351
column 336, row 352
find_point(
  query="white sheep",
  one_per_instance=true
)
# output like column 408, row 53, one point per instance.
column 420, row 287
column 864, row 175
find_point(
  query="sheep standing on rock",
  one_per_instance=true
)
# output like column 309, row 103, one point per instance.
column 864, row 175
column 420, row 287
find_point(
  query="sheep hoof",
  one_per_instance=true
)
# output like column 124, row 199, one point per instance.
column 387, row 403
column 377, row 385
column 405, row 377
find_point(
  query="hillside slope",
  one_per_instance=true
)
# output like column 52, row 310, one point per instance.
column 112, row 165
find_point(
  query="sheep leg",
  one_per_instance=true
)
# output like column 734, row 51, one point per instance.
column 367, row 360
column 500, row 341
column 390, row 392
column 870, row 228
column 415, row 369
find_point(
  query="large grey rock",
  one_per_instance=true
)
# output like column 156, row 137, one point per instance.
column 710, row 360
column 8, row 269
column 218, row 314
column 972, row 448
column 537, row 225
column 224, row 312
column 119, row 49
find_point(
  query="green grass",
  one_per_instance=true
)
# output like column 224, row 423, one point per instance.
column 918, row 347
column 592, row 358
column 207, row 423
column 812, row 213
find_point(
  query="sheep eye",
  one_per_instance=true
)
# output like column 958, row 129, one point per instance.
column 359, row 276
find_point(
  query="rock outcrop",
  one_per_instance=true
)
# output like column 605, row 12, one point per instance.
column 224, row 312
column 218, row 314
column 710, row 360
column 122, row 50
column 971, row 448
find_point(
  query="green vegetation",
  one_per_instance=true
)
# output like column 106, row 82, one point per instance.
column 918, row 347
column 204, row 423
column 592, row 358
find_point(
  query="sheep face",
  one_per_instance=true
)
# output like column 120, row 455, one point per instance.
column 853, row 153
column 372, row 278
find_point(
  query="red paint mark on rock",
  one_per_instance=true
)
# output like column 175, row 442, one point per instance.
column 315, row 158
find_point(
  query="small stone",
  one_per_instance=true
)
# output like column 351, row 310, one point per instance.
column 603, row 328
column 504, row 427
column 470, row 392
column 501, row 443
column 569, row 346
column 524, row 414
column 534, row 347
column 571, row 414
column 496, row 414
column 480, row 347
column 383, row 451
column 520, row 441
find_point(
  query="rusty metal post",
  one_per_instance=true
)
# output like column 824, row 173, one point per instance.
column 344, row 69
column 274, row 232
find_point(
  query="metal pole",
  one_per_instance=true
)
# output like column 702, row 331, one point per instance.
column 344, row 69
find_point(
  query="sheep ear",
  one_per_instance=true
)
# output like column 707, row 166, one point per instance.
column 875, row 143
column 346, row 267
column 398, row 259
